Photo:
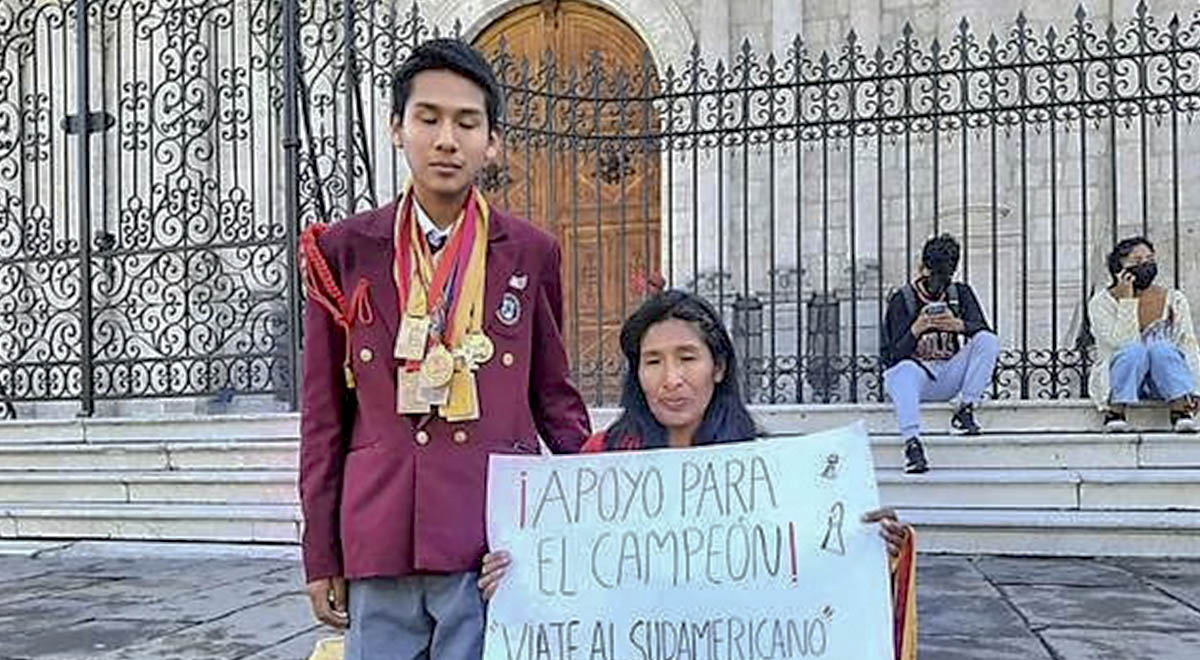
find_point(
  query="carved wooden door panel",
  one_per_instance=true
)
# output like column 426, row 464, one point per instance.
column 595, row 185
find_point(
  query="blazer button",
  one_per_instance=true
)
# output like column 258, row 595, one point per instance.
column 460, row 436
column 422, row 438
column 508, row 359
column 366, row 355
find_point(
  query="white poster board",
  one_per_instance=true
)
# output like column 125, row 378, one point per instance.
column 745, row 550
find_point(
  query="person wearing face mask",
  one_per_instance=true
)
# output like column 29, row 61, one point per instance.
column 924, row 350
column 1145, row 342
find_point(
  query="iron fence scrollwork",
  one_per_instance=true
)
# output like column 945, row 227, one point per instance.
column 148, row 219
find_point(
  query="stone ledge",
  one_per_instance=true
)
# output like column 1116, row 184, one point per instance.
column 1068, row 415
column 225, row 523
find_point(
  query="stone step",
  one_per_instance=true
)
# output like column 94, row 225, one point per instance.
column 1086, row 490
column 1064, row 415
column 1003, row 531
column 268, row 426
column 1139, row 489
column 160, row 550
column 159, row 487
column 1034, row 416
column 1057, row 533
column 990, row 450
column 192, row 455
column 1042, row 450
column 1041, row 481
column 151, row 522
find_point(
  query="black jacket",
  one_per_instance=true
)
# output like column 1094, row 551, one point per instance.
column 898, row 342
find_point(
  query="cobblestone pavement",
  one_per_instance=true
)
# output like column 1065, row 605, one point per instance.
column 971, row 608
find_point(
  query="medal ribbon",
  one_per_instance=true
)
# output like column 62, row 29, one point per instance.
column 435, row 286
column 471, row 271
column 469, row 315
column 423, row 297
column 409, row 243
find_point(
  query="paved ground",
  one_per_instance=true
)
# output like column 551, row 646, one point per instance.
column 980, row 608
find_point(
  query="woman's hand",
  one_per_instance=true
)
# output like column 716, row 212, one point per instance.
column 889, row 528
column 1124, row 286
column 495, row 566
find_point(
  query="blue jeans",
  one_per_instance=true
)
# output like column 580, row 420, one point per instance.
column 966, row 376
column 1155, row 370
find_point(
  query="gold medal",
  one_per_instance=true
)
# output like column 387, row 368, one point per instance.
column 464, row 359
column 479, row 346
column 408, row 395
column 436, row 396
column 412, row 338
column 464, row 398
column 437, row 368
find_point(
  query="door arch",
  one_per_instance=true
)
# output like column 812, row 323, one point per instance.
column 587, row 171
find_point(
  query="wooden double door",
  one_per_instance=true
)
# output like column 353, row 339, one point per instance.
column 596, row 186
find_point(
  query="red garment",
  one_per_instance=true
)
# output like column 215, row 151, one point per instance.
column 599, row 443
column 385, row 494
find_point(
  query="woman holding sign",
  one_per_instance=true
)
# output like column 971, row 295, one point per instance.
column 681, row 390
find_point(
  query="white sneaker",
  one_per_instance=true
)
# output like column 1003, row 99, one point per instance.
column 1115, row 422
column 1185, row 423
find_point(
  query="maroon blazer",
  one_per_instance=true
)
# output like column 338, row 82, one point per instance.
column 385, row 494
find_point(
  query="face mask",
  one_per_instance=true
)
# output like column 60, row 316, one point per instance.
column 1144, row 274
column 936, row 283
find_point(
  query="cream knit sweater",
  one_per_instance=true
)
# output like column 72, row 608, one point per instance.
column 1115, row 326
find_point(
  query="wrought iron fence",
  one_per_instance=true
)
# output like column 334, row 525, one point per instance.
column 157, row 158
column 795, row 189
column 143, row 246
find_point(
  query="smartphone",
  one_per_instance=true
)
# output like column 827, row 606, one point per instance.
column 936, row 308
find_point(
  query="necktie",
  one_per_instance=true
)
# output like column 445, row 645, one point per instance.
column 436, row 241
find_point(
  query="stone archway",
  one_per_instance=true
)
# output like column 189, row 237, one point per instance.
column 660, row 23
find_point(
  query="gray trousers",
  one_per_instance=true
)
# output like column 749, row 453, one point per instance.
column 420, row 617
column 966, row 375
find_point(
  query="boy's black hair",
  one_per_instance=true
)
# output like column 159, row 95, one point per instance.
column 451, row 55
column 940, row 254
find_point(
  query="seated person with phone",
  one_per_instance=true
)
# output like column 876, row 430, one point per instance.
column 1146, row 348
column 924, row 352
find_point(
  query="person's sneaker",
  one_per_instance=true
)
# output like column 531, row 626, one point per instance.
column 963, row 420
column 1115, row 422
column 1183, row 421
column 914, row 456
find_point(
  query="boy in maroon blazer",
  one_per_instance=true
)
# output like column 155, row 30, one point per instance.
column 432, row 339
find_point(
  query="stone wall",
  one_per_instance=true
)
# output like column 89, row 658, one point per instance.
column 1026, row 251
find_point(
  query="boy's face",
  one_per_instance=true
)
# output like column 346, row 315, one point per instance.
column 444, row 132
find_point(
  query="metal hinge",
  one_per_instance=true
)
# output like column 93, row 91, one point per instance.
column 97, row 122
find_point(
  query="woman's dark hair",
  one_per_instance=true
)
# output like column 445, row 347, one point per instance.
column 450, row 55
column 1121, row 251
column 725, row 420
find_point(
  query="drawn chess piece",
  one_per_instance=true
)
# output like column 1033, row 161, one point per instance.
column 831, row 467
column 834, row 542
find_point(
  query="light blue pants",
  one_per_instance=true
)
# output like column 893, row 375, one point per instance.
column 1156, row 370
column 416, row 618
column 966, row 376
